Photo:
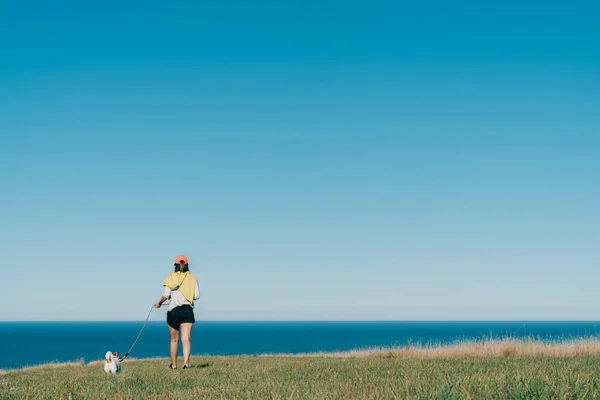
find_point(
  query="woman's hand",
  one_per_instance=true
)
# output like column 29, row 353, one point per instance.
column 159, row 303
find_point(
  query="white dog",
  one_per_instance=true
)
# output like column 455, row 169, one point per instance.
column 112, row 365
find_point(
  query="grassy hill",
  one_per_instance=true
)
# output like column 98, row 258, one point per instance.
column 496, row 370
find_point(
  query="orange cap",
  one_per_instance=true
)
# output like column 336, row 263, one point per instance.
column 181, row 258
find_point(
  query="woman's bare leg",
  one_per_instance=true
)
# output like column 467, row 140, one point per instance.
column 186, row 336
column 174, row 343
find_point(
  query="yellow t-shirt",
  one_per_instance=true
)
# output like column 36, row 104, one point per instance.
column 183, row 282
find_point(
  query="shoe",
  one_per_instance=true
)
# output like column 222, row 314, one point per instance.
column 185, row 366
column 173, row 367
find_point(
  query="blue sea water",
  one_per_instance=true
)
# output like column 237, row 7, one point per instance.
column 32, row 343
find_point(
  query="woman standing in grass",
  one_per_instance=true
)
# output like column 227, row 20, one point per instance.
column 182, row 288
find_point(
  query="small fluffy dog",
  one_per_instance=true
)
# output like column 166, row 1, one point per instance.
column 112, row 365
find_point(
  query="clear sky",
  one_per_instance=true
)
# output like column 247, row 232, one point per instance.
column 314, row 160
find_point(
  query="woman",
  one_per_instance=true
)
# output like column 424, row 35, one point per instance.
column 182, row 288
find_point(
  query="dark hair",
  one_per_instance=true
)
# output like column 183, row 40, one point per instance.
column 182, row 267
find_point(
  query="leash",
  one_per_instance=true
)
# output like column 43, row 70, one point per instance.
column 138, row 336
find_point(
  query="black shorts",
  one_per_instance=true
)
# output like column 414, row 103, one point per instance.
column 180, row 315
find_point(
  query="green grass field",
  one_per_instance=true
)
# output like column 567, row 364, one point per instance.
column 277, row 377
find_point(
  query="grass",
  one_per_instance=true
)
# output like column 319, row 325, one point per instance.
column 491, row 370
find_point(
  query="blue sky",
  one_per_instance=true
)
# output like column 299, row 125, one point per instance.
column 314, row 160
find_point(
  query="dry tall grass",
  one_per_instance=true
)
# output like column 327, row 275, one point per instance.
column 79, row 363
column 589, row 347
column 470, row 370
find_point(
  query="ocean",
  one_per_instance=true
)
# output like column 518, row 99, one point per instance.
column 32, row 343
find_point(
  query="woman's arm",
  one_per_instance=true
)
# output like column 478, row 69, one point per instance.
column 158, row 304
column 166, row 295
column 196, row 292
